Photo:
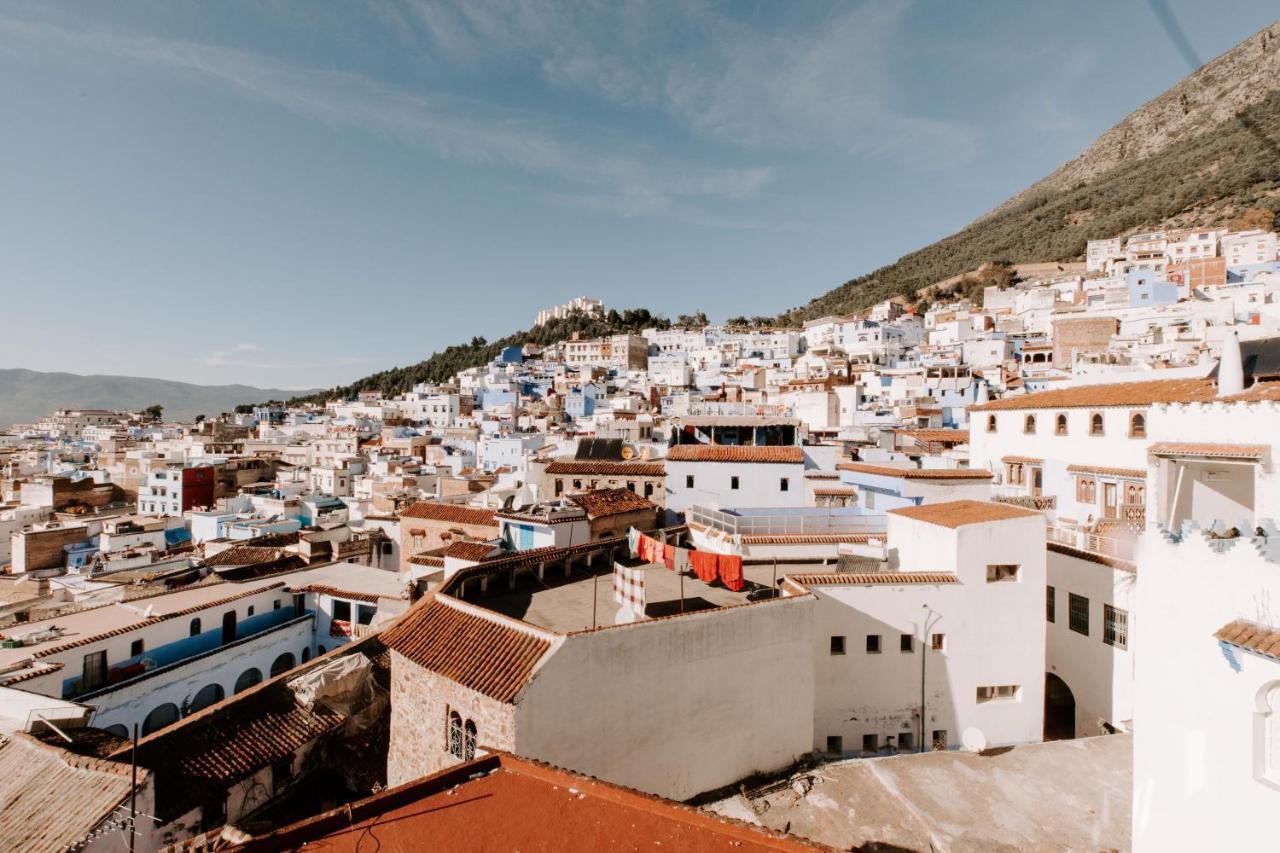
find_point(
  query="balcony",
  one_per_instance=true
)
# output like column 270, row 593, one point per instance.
column 793, row 521
column 1041, row 503
column 1120, row 547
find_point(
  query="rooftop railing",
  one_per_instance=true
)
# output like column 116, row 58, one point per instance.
column 1111, row 546
column 809, row 521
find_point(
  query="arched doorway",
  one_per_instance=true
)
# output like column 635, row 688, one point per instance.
column 208, row 695
column 1059, row 709
column 284, row 663
column 118, row 730
column 165, row 715
column 247, row 679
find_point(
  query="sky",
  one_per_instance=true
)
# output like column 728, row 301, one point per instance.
column 296, row 194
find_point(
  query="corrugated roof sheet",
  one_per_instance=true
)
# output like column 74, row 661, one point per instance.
column 960, row 513
column 1251, row 636
column 777, row 454
column 486, row 655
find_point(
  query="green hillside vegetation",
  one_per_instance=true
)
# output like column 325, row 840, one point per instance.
column 1232, row 167
column 442, row 366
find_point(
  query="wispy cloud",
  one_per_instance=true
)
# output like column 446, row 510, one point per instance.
column 452, row 127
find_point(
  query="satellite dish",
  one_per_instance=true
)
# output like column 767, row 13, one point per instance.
column 628, row 452
column 973, row 740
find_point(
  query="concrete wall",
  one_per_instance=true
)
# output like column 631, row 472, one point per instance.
column 759, row 485
column 678, row 706
column 1197, row 701
column 1100, row 675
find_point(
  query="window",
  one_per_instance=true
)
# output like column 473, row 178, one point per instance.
column 1060, row 424
column 1029, row 424
column 906, row 742
column 1266, row 735
column 648, row 490
column 1078, row 614
column 469, row 741
column 1115, row 626
column 870, row 499
column 835, row 745
column 784, row 484
column 870, row 743
column 906, row 643
column 688, row 481
column 1086, row 490
column 250, row 612
column 873, row 644
column 939, row 739
column 341, row 610
column 195, row 627
column 454, row 742
column 1001, row 692
column 837, row 645
column 1002, row 573
column 94, row 673
column 1095, row 424
column 1050, row 604
column 365, row 613
column 733, row 482
column 136, row 648
column 1015, row 473
column 275, row 605
column 991, row 423
column 938, row 642
column 1138, row 426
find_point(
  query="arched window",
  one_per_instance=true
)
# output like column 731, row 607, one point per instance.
column 455, row 734
column 306, row 654
column 991, row 423
column 1266, row 735
column 1138, row 426
column 1029, row 424
column 1095, row 424
column 248, row 678
column 469, row 742
column 164, row 715
column 1061, row 427
column 195, row 626
column 283, row 663
column 208, row 695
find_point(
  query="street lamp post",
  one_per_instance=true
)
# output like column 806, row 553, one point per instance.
column 924, row 656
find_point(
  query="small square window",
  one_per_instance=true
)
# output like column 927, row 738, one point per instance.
column 1051, row 604
column 733, row 482
column 870, row 743
column 1115, row 626
column 688, row 481
column 784, row 484
column 1002, row 573
column 250, row 611
column 136, row 648
column 939, row 739
column 906, row 643
column 1078, row 613
column 906, row 742
column 873, row 643
column 275, row 605
column 938, row 642
column 837, row 645
column 835, row 745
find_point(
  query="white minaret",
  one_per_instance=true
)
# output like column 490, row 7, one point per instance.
column 1230, row 367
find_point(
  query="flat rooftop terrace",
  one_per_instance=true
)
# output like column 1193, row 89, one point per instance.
column 562, row 604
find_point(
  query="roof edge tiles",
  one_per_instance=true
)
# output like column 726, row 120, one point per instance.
column 1126, row 473
column 1213, row 450
column 1252, row 637
column 956, row 514
column 916, row 473
column 871, row 578
column 1091, row 556
column 764, row 454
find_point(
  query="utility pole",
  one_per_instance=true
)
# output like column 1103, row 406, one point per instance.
column 133, row 790
column 924, row 656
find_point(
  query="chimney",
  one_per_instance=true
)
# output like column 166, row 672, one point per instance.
column 1230, row 367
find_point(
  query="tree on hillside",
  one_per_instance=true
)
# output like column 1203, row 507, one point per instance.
column 153, row 412
column 692, row 321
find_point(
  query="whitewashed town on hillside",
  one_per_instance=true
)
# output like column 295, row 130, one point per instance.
column 838, row 583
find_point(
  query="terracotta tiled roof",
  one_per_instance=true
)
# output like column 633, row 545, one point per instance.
column 916, row 473
column 607, row 468
column 821, row 475
column 427, row 560
column 1147, row 393
column 484, row 654
column 473, row 551
column 943, row 436
column 861, row 578
column 1091, row 556
column 1025, row 460
column 52, row 799
column 1128, row 473
column 502, row 802
column 454, row 513
column 337, row 592
column 247, row 555
column 835, row 490
column 605, row 502
column 1217, row 451
column 960, row 513
column 34, row 672
column 789, row 454
column 1252, row 636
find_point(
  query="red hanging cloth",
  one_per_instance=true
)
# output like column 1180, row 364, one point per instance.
column 730, row 571
column 669, row 556
column 704, row 565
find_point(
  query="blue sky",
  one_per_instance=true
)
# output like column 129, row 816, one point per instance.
column 296, row 194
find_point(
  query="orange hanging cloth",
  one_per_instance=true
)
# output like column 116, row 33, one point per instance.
column 730, row 572
column 669, row 556
column 704, row 565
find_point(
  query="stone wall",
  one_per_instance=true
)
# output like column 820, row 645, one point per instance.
column 420, row 705
column 1081, row 334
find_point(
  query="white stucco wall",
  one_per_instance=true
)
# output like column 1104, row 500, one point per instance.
column 759, row 485
column 677, row 706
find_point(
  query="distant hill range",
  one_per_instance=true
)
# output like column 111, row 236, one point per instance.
column 28, row 395
column 1201, row 154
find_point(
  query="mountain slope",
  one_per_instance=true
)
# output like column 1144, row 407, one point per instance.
column 1197, row 155
column 27, row 395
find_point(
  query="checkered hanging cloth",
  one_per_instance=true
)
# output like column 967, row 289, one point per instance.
column 628, row 587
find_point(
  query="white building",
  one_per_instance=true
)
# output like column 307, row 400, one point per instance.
column 734, row 476
column 1241, row 248
column 590, row 307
